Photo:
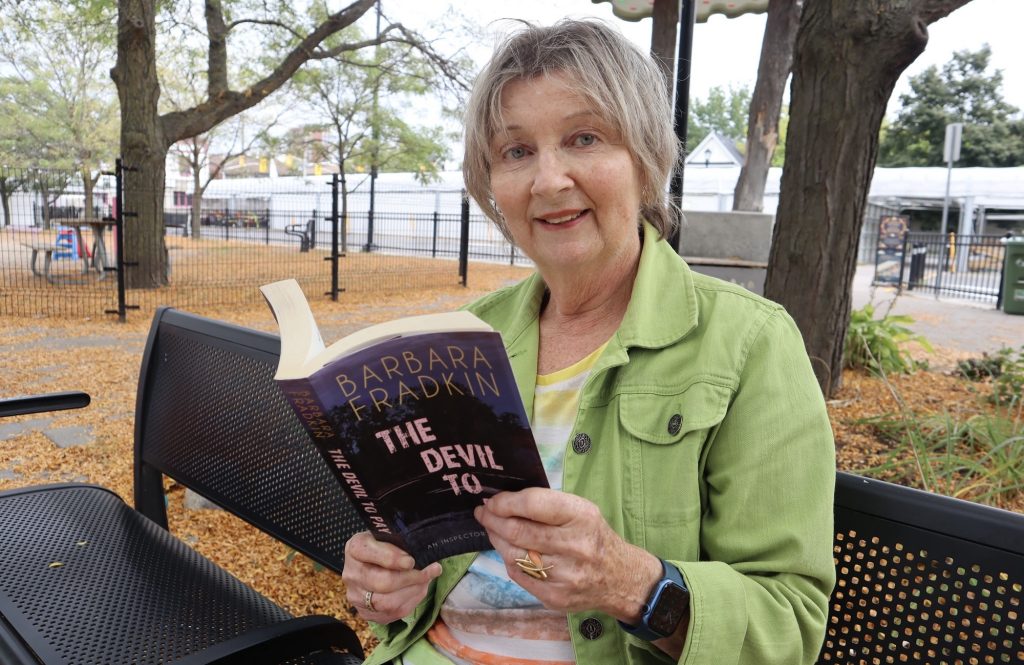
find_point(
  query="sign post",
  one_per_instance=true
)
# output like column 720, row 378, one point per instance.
column 950, row 154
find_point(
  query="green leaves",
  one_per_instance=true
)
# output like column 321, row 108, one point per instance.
column 724, row 111
column 877, row 344
column 962, row 91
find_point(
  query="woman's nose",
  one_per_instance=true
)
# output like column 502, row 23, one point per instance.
column 552, row 174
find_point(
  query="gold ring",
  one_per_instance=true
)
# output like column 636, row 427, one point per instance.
column 368, row 601
column 533, row 565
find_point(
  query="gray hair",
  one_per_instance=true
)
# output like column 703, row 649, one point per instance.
column 623, row 85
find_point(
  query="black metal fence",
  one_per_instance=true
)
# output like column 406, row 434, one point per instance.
column 57, row 259
column 968, row 267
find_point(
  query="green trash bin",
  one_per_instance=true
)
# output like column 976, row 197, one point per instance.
column 1013, row 277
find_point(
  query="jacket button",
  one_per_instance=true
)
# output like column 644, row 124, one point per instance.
column 581, row 444
column 591, row 628
column 675, row 423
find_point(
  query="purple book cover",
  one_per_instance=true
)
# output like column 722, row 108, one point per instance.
column 419, row 430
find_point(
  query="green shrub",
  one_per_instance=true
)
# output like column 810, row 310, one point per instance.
column 876, row 344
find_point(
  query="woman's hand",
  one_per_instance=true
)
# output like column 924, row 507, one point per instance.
column 388, row 574
column 592, row 567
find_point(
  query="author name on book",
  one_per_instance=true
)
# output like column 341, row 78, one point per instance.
column 422, row 374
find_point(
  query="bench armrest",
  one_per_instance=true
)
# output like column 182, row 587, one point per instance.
column 17, row 406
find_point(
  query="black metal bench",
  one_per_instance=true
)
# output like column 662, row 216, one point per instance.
column 923, row 578
column 306, row 233
column 177, row 220
column 85, row 578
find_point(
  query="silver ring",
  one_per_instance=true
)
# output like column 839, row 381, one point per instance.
column 368, row 601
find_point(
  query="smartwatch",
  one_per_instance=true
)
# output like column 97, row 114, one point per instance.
column 668, row 604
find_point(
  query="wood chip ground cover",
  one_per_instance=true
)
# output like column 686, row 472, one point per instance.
column 102, row 357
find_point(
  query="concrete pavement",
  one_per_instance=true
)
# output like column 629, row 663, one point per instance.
column 964, row 326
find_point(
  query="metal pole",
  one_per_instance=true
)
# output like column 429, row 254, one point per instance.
column 687, row 16
column 334, row 236
column 945, row 201
column 119, row 240
column 464, row 240
column 375, row 131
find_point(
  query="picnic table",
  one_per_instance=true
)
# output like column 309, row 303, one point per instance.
column 100, row 257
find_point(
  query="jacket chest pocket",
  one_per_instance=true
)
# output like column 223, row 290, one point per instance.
column 664, row 437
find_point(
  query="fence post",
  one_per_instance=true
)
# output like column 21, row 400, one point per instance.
column 1002, row 278
column 433, row 246
column 369, row 212
column 334, row 237
column 464, row 240
column 119, row 216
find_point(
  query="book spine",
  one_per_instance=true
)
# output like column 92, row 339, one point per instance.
column 311, row 412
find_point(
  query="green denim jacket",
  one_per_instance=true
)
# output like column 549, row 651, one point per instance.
column 738, row 494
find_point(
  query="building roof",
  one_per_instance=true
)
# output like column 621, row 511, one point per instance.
column 715, row 150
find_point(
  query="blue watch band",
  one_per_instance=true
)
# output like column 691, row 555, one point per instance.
column 644, row 631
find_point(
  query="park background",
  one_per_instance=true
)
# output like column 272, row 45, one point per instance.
column 883, row 417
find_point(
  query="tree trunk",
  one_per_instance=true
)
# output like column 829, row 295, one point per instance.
column 848, row 58
column 664, row 37
column 766, row 102
column 5, row 202
column 143, row 145
column 88, row 184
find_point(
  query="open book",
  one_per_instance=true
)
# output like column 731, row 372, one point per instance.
column 419, row 419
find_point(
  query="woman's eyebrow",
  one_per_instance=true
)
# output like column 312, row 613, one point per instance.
column 572, row 116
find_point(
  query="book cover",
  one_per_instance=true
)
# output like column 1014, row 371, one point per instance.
column 418, row 427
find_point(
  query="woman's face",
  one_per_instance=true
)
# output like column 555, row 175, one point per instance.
column 563, row 180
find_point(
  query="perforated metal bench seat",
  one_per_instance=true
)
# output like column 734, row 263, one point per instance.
column 86, row 579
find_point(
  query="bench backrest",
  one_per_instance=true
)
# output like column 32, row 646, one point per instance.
column 924, row 578
column 210, row 415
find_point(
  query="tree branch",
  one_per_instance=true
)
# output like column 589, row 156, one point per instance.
column 931, row 11
column 178, row 125
column 217, row 67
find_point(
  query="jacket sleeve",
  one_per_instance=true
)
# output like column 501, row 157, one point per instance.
column 759, row 594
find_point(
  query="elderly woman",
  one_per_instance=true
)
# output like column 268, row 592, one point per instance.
column 687, row 443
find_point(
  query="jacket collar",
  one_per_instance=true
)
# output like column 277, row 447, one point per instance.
column 662, row 310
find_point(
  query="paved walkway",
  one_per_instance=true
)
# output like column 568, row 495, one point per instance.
column 960, row 325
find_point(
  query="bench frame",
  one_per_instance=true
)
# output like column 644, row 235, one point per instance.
column 306, row 233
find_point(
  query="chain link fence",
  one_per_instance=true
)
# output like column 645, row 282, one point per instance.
column 66, row 245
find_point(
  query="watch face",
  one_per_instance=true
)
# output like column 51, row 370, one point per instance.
column 671, row 606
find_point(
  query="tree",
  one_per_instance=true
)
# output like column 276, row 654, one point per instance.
column 723, row 111
column 274, row 28
column 763, row 130
column 57, row 108
column 962, row 91
column 210, row 151
column 848, row 58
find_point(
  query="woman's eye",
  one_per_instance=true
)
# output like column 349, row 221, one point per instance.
column 586, row 139
column 515, row 153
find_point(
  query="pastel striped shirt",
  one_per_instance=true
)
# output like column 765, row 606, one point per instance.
column 488, row 619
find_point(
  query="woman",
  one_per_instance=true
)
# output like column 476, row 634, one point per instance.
column 687, row 442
